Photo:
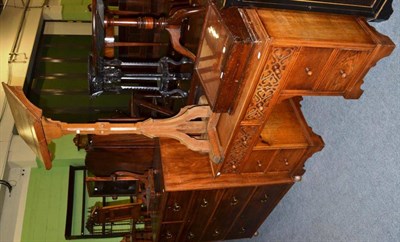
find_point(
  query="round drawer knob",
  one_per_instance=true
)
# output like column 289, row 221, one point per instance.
column 308, row 71
column 297, row 178
column 215, row 233
column 343, row 74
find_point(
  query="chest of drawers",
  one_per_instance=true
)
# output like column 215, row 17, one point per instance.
column 218, row 214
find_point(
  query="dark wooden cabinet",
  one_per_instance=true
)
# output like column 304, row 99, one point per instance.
column 223, row 213
column 176, row 206
column 204, row 204
column 232, row 202
column 372, row 9
column 170, row 232
column 256, row 211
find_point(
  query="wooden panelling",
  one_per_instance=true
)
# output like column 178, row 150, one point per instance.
column 176, row 206
column 204, row 205
column 232, row 202
column 170, row 232
column 309, row 66
column 258, row 208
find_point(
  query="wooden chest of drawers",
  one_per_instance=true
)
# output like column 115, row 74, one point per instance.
column 218, row 214
column 200, row 205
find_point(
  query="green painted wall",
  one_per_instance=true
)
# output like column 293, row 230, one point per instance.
column 46, row 204
column 76, row 10
column 46, row 207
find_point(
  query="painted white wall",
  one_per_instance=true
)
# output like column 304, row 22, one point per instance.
column 14, row 205
column 20, row 155
column 14, row 73
column 11, row 146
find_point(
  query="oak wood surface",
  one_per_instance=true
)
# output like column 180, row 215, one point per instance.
column 184, row 169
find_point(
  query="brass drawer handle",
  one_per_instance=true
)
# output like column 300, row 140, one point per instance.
column 308, row 71
column 204, row 204
column 190, row 236
column 259, row 163
column 234, row 201
column 265, row 199
column 343, row 74
column 242, row 230
column 176, row 207
column 286, row 161
column 168, row 235
column 215, row 233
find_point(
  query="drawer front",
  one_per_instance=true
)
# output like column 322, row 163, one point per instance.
column 204, row 204
column 259, row 207
column 308, row 68
column 170, row 232
column 231, row 204
column 285, row 160
column 345, row 68
column 176, row 206
column 258, row 161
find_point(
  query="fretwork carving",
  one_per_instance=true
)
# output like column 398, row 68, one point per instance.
column 268, row 83
column 241, row 146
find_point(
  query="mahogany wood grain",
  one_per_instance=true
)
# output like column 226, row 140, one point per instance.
column 176, row 206
column 204, row 204
column 222, row 57
column 170, row 232
column 106, row 161
column 261, row 204
column 232, row 202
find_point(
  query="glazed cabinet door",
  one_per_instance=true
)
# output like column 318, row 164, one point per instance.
column 257, row 210
column 176, row 206
column 204, row 204
column 228, row 209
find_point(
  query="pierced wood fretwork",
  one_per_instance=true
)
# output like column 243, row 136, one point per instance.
column 241, row 146
column 269, row 82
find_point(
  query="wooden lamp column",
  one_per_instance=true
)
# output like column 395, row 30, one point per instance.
column 38, row 131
